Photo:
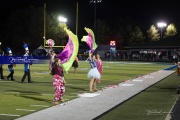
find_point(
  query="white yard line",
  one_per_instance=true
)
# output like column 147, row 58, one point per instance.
column 39, row 105
column 9, row 115
column 25, row 110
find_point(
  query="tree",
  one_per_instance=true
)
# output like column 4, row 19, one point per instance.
column 170, row 31
column 138, row 34
column 153, row 34
column 27, row 25
column 129, row 35
column 102, row 30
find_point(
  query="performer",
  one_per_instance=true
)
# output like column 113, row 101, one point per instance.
column 58, row 81
column 52, row 57
column 99, row 66
column 75, row 65
column 26, row 66
column 93, row 74
column 178, row 68
column 10, row 66
column 51, row 53
column 1, row 67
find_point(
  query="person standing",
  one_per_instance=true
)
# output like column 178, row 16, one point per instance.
column 26, row 66
column 52, row 57
column 58, row 81
column 99, row 66
column 93, row 74
column 10, row 66
column 75, row 65
column 1, row 67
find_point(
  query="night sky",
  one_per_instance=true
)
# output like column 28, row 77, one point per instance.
column 147, row 12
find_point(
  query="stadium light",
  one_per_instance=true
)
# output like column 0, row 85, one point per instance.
column 95, row 2
column 161, row 25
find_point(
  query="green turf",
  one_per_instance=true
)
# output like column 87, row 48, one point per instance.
column 15, row 95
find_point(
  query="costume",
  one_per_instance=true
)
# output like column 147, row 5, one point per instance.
column 51, row 53
column 75, row 63
column 26, row 66
column 51, row 60
column 58, row 83
column 93, row 73
column 99, row 67
column 10, row 66
column 178, row 68
column 1, row 72
column 1, row 68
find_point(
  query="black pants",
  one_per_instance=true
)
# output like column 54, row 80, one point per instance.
column 26, row 74
column 1, row 73
column 11, row 75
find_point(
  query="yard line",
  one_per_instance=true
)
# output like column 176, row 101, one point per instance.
column 25, row 110
column 39, row 105
column 9, row 115
column 47, row 94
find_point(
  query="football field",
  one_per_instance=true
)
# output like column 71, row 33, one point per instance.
column 19, row 99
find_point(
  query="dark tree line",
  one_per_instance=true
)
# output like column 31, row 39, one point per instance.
column 27, row 25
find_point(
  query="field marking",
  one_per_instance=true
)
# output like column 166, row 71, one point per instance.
column 125, row 84
column 9, row 115
column 83, row 68
column 25, row 110
column 41, row 72
column 137, row 80
column 129, row 63
column 88, row 95
column 39, row 105
column 13, row 92
column 148, row 76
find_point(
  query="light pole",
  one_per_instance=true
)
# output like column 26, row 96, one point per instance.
column 95, row 2
column 62, row 20
column 161, row 25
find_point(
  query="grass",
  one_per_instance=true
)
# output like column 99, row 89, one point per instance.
column 29, row 96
